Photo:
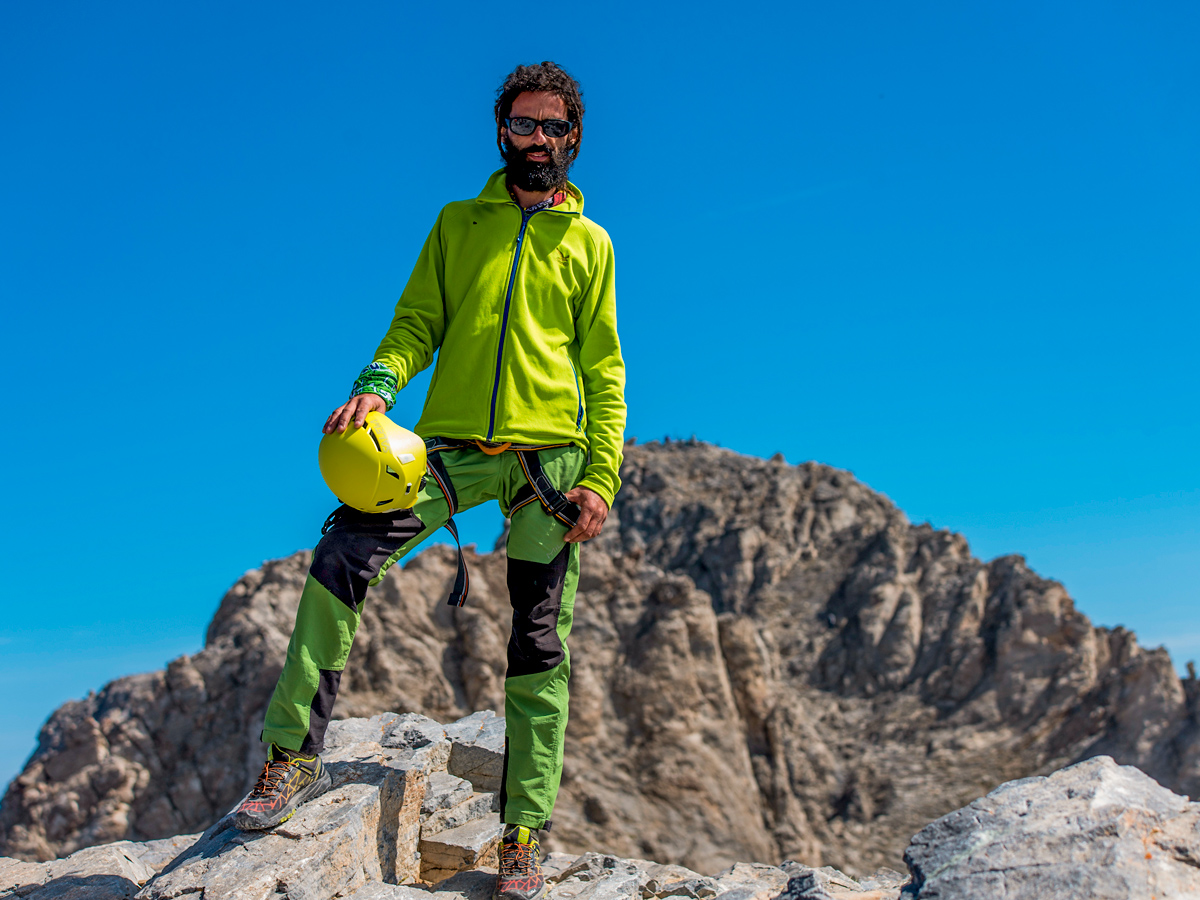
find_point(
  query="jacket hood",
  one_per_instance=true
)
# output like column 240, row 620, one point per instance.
column 496, row 191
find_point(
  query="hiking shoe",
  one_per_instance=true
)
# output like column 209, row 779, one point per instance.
column 520, row 875
column 287, row 780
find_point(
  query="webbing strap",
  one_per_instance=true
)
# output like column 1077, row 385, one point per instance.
column 462, row 582
column 553, row 501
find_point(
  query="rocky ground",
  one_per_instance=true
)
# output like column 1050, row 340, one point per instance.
column 770, row 662
column 411, row 816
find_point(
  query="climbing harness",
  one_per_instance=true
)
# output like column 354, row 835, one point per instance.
column 554, row 501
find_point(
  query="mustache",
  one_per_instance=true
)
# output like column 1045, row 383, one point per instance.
column 538, row 148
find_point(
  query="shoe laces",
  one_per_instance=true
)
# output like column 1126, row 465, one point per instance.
column 518, row 859
column 273, row 773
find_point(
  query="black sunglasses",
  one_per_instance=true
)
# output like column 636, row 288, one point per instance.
column 525, row 126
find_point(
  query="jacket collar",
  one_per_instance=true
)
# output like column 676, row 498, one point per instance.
column 496, row 191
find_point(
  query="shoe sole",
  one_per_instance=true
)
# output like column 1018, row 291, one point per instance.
column 497, row 895
column 249, row 823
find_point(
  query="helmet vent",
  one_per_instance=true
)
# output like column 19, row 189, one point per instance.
column 394, row 474
column 375, row 440
column 385, row 502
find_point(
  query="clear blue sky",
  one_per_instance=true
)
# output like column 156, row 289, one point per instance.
column 954, row 248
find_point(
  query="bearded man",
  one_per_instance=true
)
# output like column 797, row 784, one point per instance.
column 514, row 291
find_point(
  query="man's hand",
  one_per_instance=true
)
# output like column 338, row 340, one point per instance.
column 355, row 408
column 592, row 513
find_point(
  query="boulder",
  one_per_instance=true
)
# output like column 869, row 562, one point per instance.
column 364, row 829
column 466, row 847
column 478, row 749
column 108, row 872
column 1092, row 831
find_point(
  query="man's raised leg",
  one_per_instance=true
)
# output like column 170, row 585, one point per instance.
column 353, row 554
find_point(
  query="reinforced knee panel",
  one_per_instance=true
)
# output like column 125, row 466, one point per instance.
column 536, row 591
column 355, row 547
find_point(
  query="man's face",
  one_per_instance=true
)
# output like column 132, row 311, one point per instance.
column 536, row 162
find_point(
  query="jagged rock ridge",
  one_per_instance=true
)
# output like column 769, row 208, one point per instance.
column 408, row 817
column 770, row 661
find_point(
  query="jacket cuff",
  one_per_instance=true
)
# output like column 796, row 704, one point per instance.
column 601, row 486
column 377, row 378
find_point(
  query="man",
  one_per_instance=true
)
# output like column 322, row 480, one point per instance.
column 515, row 290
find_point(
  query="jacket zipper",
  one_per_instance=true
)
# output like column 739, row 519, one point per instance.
column 512, row 277
column 578, row 396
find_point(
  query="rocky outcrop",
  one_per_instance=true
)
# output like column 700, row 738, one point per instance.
column 395, row 823
column 769, row 661
column 1093, row 831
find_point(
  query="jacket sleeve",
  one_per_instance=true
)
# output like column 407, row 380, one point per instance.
column 603, row 374
column 419, row 324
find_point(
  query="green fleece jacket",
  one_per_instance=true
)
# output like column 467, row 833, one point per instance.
column 522, row 308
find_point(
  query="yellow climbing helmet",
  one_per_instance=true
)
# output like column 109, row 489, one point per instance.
column 376, row 468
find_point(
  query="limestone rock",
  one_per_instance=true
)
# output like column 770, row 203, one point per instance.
column 444, row 791
column 106, row 872
column 376, row 890
column 466, row 847
column 364, row 829
column 1093, row 831
column 478, row 749
column 477, row 884
column 476, row 806
column 768, row 661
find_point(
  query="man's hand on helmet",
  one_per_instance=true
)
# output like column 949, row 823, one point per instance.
column 355, row 408
column 592, row 513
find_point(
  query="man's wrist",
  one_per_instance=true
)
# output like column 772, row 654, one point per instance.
column 377, row 379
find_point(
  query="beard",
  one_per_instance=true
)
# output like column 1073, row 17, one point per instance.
column 536, row 176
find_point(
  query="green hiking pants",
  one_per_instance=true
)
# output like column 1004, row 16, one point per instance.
column 543, row 572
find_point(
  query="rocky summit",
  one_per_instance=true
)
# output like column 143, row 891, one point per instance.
column 410, row 817
column 770, row 662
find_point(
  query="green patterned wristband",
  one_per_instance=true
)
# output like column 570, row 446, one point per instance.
column 376, row 378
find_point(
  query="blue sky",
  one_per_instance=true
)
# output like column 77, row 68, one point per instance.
column 950, row 247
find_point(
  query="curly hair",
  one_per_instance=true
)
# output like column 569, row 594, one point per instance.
column 546, row 76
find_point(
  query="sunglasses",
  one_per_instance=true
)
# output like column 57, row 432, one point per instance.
column 525, row 126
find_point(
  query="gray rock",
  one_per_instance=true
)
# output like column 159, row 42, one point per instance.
column 824, row 883
column 108, row 872
column 444, row 791
column 755, row 877
column 17, row 874
column 412, row 731
column 884, row 879
column 354, row 732
column 83, row 887
column 465, row 847
column 616, row 886
column 364, row 829
column 1095, row 830
column 375, row 890
column 157, row 854
column 555, row 863
column 477, row 752
column 699, row 888
column 472, row 885
column 477, row 806
column 596, row 866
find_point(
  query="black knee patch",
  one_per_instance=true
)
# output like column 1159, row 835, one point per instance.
column 536, row 591
column 320, row 711
column 354, row 550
